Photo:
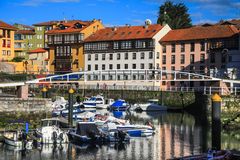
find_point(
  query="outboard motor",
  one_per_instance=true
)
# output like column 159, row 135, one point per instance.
column 54, row 137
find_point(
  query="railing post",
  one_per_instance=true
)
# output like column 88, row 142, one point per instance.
column 210, row 90
column 204, row 90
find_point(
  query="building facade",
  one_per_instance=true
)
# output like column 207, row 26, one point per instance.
column 38, row 61
column 24, row 40
column 128, row 47
column 66, row 44
column 203, row 50
column 6, row 41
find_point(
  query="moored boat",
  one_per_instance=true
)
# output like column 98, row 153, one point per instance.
column 93, row 101
column 106, row 103
column 119, row 105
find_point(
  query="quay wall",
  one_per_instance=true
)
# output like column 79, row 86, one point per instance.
column 25, row 105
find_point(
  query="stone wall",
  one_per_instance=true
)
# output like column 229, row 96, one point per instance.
column 25, row 105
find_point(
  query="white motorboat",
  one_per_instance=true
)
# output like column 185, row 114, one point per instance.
column 17, row 139
column 106, row 103
column 53, row 130
column 151, row 105
column 93, row 101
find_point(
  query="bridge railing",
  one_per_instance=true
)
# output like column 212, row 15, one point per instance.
column 205, row 90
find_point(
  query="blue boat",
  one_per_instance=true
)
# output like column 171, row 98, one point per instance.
column 119, row 105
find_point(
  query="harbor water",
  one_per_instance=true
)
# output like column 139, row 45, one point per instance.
column 177, row 134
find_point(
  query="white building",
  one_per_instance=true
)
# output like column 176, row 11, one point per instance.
column 128, row 47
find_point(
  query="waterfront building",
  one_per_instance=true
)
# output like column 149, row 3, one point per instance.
column 40, row 30
column 127, row 47
column 6, row 41
column 201, row 49
column 38, row 62
column 66, row 44
column 24, row 40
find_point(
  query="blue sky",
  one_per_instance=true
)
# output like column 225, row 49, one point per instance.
column 112, row 12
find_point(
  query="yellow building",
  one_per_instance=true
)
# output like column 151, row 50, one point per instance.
column 38, row 61
column 6, row 41
column 66, row 44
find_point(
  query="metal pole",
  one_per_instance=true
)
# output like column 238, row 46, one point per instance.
column 70, row 107
column 44, row 92
column 216, row 121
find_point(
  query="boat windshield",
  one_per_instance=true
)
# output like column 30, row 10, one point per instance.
column 92, row 98
column 154, row 101
column 46, row 123
column 98, row 99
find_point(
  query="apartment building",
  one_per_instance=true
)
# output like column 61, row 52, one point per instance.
column 200, row 49
column 24, row 40
column 127, row 47
column 6, row 41
column 66, row 44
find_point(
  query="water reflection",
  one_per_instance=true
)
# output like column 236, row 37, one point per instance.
column 177, row 134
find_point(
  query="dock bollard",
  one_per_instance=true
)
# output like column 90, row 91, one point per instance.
column 216, row 121
column 70, row 108
column 44, row 92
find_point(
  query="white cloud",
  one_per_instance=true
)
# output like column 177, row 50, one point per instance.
column 39, row 2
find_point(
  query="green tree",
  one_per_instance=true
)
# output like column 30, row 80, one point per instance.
column 175, row 15
column 17, row 59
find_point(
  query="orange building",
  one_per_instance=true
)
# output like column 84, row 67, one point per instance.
column 66, row 44
column 6, row 41
column 199, row 49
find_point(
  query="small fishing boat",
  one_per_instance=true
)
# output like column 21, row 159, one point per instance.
column 105, row 104
column 86, row 132
column 151, row 105
column 63, row 111
column 53, row 130
column 119, row 105
column 17, row 139
column 85, row 116
column 132, row 130
column 93, row 101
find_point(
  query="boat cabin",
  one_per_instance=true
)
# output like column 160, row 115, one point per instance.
column 61, row 123
column 87, row 129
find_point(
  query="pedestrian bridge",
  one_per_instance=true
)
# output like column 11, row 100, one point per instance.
column 134, row 79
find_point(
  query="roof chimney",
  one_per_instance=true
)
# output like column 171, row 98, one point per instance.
column 147, row 23
column 114, row 28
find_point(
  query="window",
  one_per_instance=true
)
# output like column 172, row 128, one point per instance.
column 96, row 57
column 173, row 48
column 118, row 56
column 110, row 66
column 192, row 58
column 115, row 45
column 212, row 57
column 96, row 67
column 173, row 59
column 89, row 57
column 182, row 59
column 126, row 66
column 202, row 45
column 164, row 59
column 164, row 48
column 142, row 66
column 142, row 55
column 118, row 66
column 9, row 53
column 172, row 68
column 89, row 67
column 134, row 56
column 140, row 44
column 182, row 68
column 126, row 55
column 157, row 55
column 182, row 47
column 150, row 55
column 192, row 49
column 133, row 66
column 110, row 56
column 103, row 66
column 202, row 58
column 103, row 57
column 126, row 44
column 150, row 66
column 158, row 66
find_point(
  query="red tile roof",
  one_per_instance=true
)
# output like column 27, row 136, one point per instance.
column 125, row 33
column 198, row 33
column 25, row 32
column 38, row 50
column 49, row 23
column 6, row 26
column 70, row 27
